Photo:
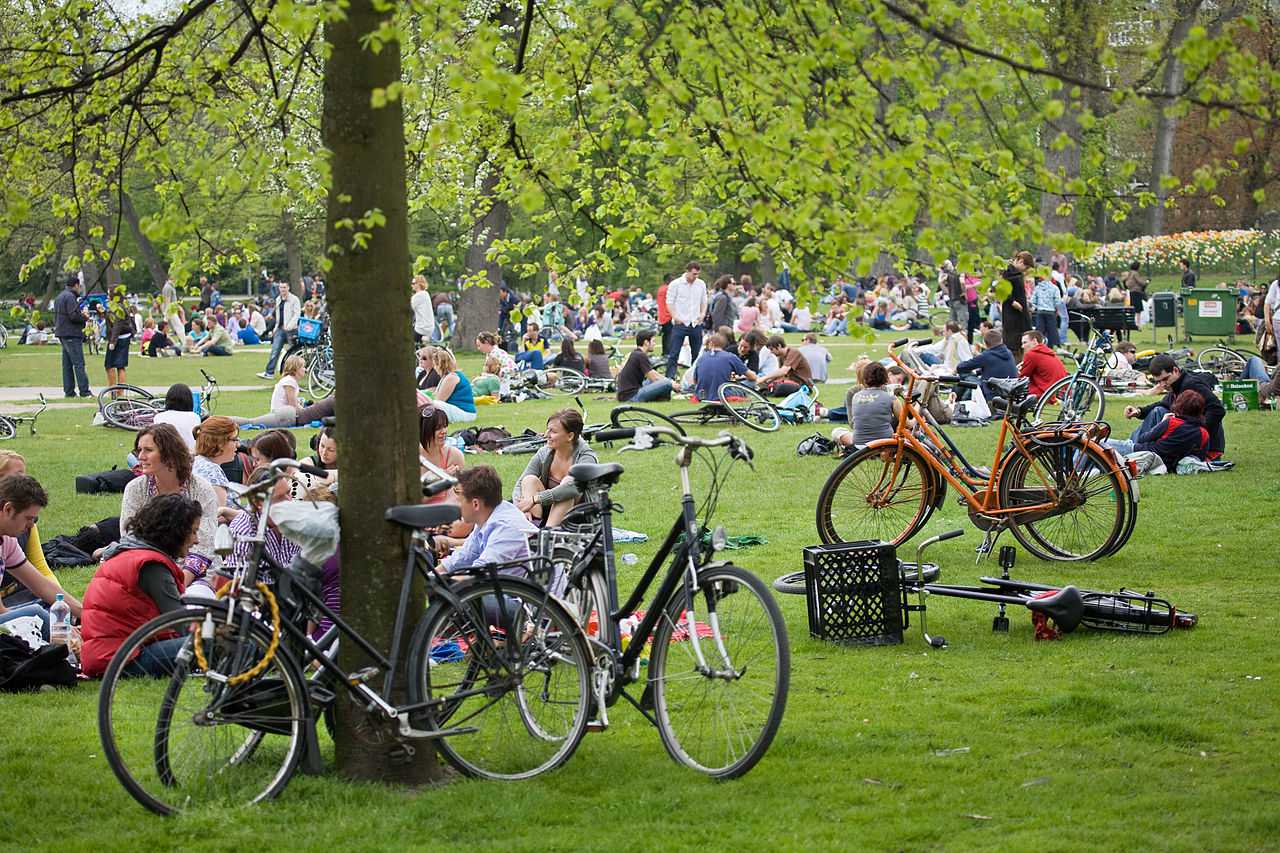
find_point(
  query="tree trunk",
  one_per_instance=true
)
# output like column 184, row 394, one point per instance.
column 149, row 255
column 1166, row 125
column 374, row 371
column 292, row 250
column 1063, row 163
column 478, row 307
column 111, row 276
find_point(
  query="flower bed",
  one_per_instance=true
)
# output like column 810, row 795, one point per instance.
column 1228, row 251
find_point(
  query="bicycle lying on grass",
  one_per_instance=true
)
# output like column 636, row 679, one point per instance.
column 1227, row 361
column 735, row 404
column 132, row 408
column 716, row 689
column 9, row 423
column 498, row 676
column 1062, row 494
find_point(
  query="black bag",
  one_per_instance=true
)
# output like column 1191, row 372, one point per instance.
column 491, row 438
column 816, row 445
column 23, row 669
column 112, row 482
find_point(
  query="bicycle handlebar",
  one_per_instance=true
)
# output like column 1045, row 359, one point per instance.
column 737, row 447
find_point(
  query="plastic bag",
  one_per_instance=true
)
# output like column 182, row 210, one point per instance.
column 314, row 526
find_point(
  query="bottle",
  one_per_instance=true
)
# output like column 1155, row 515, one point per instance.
column 60, row 623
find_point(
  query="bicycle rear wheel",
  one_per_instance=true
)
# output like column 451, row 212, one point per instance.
column 1072, row 399
column 124, row 392
column 1092, row 503
column 637, row 416
column 564, row 381
column 185, row 739
column 8, row 429
column 320, row 374
column 130, row 414
column 521, row 697
column 720, row 723
column 746, row 405
column 875, row 494
column 1221, row 362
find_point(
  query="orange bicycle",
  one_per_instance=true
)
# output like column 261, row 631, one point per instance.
column 1062, row 494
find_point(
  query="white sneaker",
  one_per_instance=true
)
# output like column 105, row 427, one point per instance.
column 264, row 375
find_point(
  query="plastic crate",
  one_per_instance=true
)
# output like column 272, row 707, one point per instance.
column 854, row 593
column 309, row 330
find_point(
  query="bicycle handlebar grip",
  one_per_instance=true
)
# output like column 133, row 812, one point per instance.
column 900, row 343
column 312, row 470
column 434, row 488
column 923, row 342
column 950, row 534
column 615, row 434
column 947, row 379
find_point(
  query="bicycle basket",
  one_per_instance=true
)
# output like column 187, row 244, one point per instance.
column 854, row 593
column 309, row 330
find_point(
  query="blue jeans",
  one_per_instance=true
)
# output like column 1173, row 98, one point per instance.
column 679, row 334
column 653, row 389
column 36, row 610
column 1256, row 368
column 156, row 659
column 836, row 327
column 73, row 367
column 532, row 358
column 1047, row 325
column 1149, row 424
column 278, row 339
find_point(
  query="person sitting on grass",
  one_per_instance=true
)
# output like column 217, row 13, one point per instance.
column 638, row 382
column 1181, row 433
column 487, row 344
column 489, row 382
column 994, row 362
column 21, row 499
column 500, row 533
column 140, row 579
column 179, row 413
column 790, row 373
column 218, row 342
column 453, row 393
column 1173, row 381
column 716, row 366
column 196, row 336
column 533, row 347
column 244, row 526
column 217, row 445
column 545, row 492
column 568, row 357
column 285, row 400
column 12, row 591
column 1039, row 363
column 872, row 409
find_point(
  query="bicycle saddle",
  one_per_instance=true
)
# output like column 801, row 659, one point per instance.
column 1065, row 607
column 1012, row 389
column 418, row 516
column 587, row 472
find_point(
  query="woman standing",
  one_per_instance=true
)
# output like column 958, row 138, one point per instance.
column 1015, row 320
column 165, row 465
column 138, row 580
column 424, row 315
column 119, row 337
column 453, row 394
column 544, row 493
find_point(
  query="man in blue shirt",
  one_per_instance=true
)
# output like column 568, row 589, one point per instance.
column 501, row 531
column 715, row 367
column 994, row 362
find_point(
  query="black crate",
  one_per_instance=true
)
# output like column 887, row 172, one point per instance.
column 854, row 593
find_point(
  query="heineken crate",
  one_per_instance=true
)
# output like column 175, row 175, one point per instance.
column 1240, row 395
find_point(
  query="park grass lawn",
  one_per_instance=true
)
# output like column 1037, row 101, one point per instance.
column 1096, row 740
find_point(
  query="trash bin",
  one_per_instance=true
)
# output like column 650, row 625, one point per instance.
column 1164, row 309
column 1210, row 312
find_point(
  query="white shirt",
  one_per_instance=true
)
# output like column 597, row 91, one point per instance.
column 1273, row 298
column 687, row 301
column 424, row 316
column 257, row 322
column 183, row 422
column 768, row 363
column 278, row 399
column 292, row 311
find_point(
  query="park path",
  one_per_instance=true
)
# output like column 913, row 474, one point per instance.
column 27, row 395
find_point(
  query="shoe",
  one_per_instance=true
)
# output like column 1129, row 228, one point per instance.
column 264, row 375
column 87, row 394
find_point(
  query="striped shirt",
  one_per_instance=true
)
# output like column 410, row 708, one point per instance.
column 243, row 527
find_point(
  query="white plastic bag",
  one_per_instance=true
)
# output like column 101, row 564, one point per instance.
column 314, row 526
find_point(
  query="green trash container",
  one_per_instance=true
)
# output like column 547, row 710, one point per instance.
column 1210, row 312
column 1164, row 309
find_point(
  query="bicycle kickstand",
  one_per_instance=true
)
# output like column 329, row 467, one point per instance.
column 1000, row 623
column 989, row 538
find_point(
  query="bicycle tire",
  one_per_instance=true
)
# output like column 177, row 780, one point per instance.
column 245, row 740
column 846, row 497
column 488, row 689
column 1221, row 361
column 754, row 410
column 1072, row 399
column 130, row 414
column 567, row 381
column 792, row 583
column 710, row 413
column 626, row 415
column 123, row 391
column 721, row 726
column 320, row 373
column 8, row 429
column 1077, row 471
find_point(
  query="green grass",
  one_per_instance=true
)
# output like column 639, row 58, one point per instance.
column 1071, row 745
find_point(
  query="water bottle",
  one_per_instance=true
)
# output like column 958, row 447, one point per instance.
column 60, row 625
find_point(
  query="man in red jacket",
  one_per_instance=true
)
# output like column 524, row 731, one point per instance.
column 1039, row 363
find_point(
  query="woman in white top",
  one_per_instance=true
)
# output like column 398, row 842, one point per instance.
column 179, row 412
column 284, row 399
column 424, row 316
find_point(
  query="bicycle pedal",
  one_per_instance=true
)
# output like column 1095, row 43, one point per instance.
column 1000, row 624
column 597, row 725
column 401, row 754
column 360, row 676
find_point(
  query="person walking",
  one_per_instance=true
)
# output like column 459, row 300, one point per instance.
column 287, row 310
column 69, row 320
column 686, row 299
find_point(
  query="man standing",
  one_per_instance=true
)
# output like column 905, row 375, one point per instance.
column 957, row 300
column 287, row 311
column 664, row 318
column 686, row 299
column 638, row 382
column 68, row 325
column 1188, row 277
column 723, row 311
column 168, row 295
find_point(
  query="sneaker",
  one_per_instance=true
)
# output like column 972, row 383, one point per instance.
column 264, row 375
column 87, row 394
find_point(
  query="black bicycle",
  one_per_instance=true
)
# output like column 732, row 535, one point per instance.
column 9, row 423
column 720, row 666
column 498, row 677
column 736, row 404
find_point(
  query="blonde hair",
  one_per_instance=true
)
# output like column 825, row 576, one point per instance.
column 7, row 458
column 293, row 364
column 212, row 433
column 419, row 282
column 492, row 364
column 443, row 361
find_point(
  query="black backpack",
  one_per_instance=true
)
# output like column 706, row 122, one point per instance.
column 23, row 669
column 816, row 445
column 112, row 482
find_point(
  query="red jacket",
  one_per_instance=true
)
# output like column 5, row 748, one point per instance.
column 115, row 606
column 664, row 313
column 1043, row 367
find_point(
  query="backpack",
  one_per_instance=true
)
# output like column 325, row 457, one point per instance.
column 816, row 445
column 112, row 481
column 491, row 438
column 24, row 669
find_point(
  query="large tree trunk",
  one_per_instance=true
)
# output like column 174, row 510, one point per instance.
column 374, row 371
column 149, row 255
column 478, row 308
column 1167, row 125
column 292, row 250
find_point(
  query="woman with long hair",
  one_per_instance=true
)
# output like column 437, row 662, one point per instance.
column 453, row 394
column 546, row 492
column 285, row 402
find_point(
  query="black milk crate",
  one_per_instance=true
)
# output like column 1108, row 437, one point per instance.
column 854, row 593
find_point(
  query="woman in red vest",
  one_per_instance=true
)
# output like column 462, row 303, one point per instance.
column 138, row 580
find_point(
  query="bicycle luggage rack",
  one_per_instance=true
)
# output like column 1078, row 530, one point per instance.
column 854, row 593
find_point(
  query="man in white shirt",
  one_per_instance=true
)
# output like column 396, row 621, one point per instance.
column 1271, row 308
column 288, row 309
column 687, row 302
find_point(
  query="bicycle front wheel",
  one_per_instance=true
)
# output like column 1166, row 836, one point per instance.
column 1221, row 362
column 320, row 375
column 1075, row 502
column 120, row 392
column 8, row 429
column 510, row 673
column 748, row 407
column 565, row 381
column 1072, row 399
column 637, row 416
column 130, row 414
column 720, row 718
column 187, row 738
column 875, row 494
